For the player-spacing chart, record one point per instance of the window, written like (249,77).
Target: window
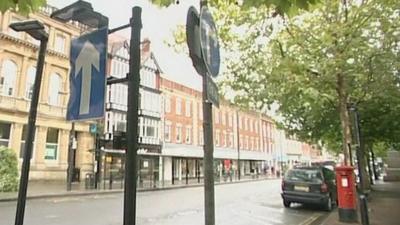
(188,135)
(30,80)
(223,118)
(226,138)
(231,140)
(216,116)
(167,104)
(178,106)
(246,123)
(8,77)
(54,89)
(188,109)
(200,111)
(5,129)
(178,133)
(230,120)
(217,138)
(240,122)
(23,139)
(51,144)
(251,125)
(59,43)
(201,137)
(150,128)
(167,131)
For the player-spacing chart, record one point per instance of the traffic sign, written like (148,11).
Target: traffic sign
(212,92)
(193,40)
(93,128)
(209,42)
(88,77)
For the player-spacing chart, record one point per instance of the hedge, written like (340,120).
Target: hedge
(8,170)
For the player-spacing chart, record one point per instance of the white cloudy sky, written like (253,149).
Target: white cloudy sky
(157,26)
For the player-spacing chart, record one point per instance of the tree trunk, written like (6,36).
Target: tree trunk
(344,116)
(363,165)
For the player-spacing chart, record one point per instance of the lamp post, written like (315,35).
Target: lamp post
(363,201)
(35,29)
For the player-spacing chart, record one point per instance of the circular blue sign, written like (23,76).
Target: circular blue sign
(209,42)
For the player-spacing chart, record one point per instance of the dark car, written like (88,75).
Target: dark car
(310,185)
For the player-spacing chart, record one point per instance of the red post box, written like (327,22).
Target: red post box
(346,190)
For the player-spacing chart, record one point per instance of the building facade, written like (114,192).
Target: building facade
(18,58)
(116,109)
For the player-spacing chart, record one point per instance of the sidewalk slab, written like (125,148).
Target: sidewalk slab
(43,189)
(383,206)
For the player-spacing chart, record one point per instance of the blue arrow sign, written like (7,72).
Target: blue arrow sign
(88,77)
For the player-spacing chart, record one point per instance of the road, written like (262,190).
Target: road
(255,203)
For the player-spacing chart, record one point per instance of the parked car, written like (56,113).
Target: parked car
(310,185)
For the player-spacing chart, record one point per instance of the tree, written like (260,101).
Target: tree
(22,6)
(8,170)
(319,62)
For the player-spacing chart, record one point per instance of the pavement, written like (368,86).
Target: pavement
(50,189)
(383,206)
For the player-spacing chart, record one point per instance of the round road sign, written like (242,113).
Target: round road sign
(209,42)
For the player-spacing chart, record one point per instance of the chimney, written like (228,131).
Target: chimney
(146,46)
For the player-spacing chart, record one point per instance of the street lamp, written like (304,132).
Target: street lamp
(35,29)
(82,12)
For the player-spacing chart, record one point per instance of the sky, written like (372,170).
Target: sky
(158,25)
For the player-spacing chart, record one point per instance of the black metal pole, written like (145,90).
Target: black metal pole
(132,119)
(238,142)
(363,202)
(23,183)
(209,206)
(70,169)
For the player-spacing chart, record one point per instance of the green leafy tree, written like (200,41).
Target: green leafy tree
(8,170)
(338,53)
(23,6)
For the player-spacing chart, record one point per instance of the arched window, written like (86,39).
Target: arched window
(30,80)
(54,89)
(7,78)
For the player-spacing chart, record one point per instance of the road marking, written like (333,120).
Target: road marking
(311,219)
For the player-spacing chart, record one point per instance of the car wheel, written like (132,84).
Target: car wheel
(328,204)
(286,203)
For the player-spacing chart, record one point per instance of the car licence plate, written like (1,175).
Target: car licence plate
(301,188)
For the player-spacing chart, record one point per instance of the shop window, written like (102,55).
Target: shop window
(23,139)
(5,129)
(51,152)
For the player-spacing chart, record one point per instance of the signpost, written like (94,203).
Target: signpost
(88,77)
(212,92)
(202,40)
